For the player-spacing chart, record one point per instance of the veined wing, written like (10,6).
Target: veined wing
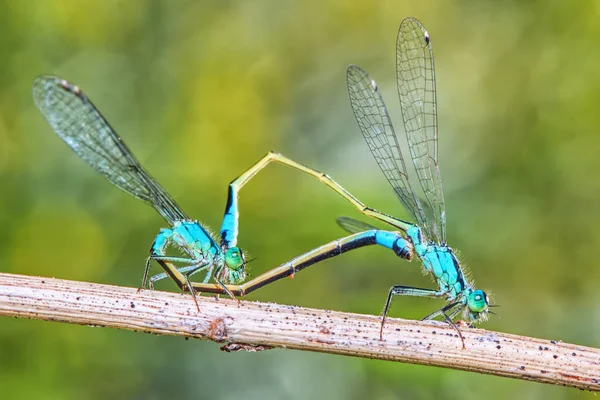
(75,119)
(416,88)
(375,124)
(353,225)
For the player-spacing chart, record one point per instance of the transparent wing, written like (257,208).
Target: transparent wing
(416,88)
(374,122)
(353,225)
(75,119)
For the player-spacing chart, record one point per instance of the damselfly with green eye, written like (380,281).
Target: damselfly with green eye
(77,121)
(415,77)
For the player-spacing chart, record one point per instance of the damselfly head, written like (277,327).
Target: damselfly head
(478,303)
(234,264)
(234,258)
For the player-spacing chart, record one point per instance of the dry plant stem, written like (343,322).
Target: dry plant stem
(256,326)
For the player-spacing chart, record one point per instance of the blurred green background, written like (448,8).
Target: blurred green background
(201,90)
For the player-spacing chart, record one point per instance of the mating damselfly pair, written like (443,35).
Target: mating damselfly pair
(77,121)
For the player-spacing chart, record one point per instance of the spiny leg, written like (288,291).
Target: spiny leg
(444,309)
(183,282)
(177,274)
(225,289)
(219,283)
(164,274)
(455,312)
(180,279)
(229,227)
(192,291)
(187,271)
(157,252)
(458,306)
(399,290)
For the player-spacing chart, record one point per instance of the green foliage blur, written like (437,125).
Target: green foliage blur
(201,90)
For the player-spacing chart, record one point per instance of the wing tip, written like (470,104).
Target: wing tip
(44,85)
(356,74)
(411,21)
(40,86)
(354,69)
(408,26)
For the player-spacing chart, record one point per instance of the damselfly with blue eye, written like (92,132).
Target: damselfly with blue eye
(427,238)
(77,121)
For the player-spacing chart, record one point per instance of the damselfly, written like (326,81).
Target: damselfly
(415,77)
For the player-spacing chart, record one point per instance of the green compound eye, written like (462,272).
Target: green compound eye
(477,301)
(234,258)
